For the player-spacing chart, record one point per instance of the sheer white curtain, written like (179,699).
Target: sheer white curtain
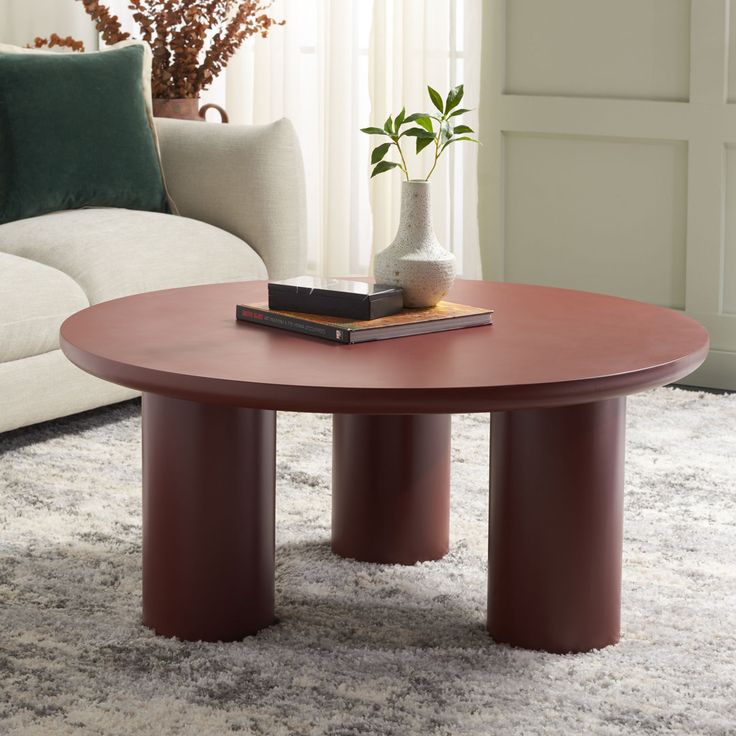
(314,70)
(415,43)
(335,67)
(22,20)
(339,65)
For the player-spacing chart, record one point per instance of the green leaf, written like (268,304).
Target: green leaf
(459,111)
(453,97)
(462,129)
(434,95)
(445,132)
(379,152)
(383,166)
(426,122)
(388,125)
(462,138)
(373,131)
(422,143)
(399,119)
(422,118)
(419,133)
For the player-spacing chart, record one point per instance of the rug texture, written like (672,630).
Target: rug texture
(360,648)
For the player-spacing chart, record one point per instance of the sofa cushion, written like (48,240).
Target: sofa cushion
(114,252)
(75,133)
(34,300)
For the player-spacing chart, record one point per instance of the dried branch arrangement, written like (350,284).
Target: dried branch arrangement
(56,40)
(192,40)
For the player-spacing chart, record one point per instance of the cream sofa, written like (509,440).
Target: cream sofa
(242,215)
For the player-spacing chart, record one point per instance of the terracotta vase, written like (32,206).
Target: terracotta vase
(415,260)
(184,109)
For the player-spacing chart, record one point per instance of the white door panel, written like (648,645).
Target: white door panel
(591,48)
(617,228)
(609,157)
(729,256)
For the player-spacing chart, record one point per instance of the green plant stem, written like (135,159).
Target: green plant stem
(436,153)
(403,160)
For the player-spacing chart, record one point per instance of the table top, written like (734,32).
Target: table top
(547,347)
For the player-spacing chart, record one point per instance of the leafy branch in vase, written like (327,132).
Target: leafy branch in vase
(430,128)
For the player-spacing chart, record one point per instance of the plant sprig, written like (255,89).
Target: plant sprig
(429,128)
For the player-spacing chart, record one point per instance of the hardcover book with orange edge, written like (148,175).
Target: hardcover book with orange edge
(444,316)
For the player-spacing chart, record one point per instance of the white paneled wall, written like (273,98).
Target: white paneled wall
(636,49)
(729,260)
(604,201)
(609,161)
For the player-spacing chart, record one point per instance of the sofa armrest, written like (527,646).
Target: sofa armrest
(246,179)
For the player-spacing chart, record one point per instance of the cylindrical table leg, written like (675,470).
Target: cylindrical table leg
(554,571)
(208,519)
(391,487)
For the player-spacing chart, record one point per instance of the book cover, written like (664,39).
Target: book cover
(444,316)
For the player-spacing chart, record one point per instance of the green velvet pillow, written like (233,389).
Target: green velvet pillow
(74,132)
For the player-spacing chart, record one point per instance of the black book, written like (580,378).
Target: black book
(339,298)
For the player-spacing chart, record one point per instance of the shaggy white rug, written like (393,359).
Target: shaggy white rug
(363,649)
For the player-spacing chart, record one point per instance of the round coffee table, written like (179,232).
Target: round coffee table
(555,368)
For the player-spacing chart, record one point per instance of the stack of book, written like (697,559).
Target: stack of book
(353,311)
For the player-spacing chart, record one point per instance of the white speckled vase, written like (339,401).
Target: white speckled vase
(415,260)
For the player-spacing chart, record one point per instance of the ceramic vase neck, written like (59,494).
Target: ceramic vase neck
(416,201)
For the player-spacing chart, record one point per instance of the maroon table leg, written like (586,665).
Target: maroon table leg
(391,487)
(208,519)
(554,571)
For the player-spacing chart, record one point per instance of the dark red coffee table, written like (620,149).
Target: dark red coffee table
(554,368)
